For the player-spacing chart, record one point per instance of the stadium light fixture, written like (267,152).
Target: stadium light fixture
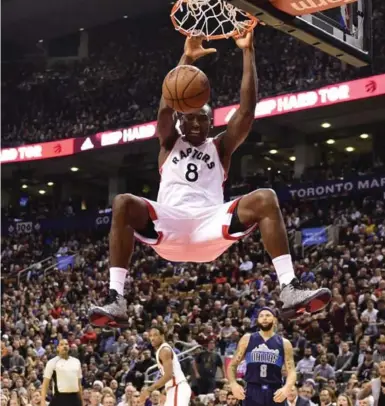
(74,169)
(326,125)
(349,149)
(42,192)
(273,151)
(81,29)
(50,184)
(125,17)
(269,169)
(292,158)
(330,141)
(364,136)
(24,186)
(40,41)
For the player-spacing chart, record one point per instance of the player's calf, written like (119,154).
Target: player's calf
(128,213)
(262,206)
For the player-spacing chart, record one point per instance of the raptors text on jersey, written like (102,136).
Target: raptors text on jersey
(192,176)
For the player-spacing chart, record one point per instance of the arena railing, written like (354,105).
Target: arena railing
(183,356)
(37,267)
(44,266)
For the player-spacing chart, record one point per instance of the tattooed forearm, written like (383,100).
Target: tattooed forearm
(232,372)
(289,364)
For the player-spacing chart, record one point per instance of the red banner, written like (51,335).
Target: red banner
(273,106)
(326,96)
(118,137)
(33,152)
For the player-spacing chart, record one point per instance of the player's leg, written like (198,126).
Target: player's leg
(262,207)
(183,395)
(129,213)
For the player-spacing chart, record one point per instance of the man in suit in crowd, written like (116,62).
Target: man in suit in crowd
(294,400)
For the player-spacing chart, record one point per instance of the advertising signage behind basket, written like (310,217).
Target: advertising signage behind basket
(325,96)
(272,106)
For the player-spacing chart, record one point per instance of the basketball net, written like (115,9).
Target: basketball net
(211,19)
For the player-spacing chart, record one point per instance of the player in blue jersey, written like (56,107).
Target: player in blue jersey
(265,354)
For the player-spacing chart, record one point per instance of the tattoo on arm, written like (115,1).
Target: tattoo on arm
(289,363)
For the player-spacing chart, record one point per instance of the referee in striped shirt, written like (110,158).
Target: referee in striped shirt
(66,374)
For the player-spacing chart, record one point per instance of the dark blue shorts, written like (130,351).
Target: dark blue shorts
(260,395)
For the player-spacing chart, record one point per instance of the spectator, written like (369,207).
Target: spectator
(306,365)
(205,368)
(344,400)
(108,400)
(294,400)
(344,360)
(326,397)
(307,392)
(324,371)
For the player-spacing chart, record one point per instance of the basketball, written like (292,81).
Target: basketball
(186,89)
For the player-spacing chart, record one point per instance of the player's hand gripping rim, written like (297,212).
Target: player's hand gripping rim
(194,49)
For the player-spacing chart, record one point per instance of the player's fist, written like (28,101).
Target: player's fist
(280,395)
(238,391)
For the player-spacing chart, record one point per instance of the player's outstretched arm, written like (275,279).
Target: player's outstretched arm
(240,123)
(165,128)
(238,357)
(281,394)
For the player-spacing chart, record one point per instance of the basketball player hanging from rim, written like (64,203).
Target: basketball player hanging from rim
(190,222)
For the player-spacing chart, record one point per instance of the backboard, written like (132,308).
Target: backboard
(344,31)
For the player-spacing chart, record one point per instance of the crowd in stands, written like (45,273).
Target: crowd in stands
(206,306)
(120,83)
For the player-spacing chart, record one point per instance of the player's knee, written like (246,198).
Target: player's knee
(122,202)
(267,199)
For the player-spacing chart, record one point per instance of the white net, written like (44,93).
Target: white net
(212,19)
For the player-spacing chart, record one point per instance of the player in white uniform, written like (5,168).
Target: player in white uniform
(178,391)
(190,221)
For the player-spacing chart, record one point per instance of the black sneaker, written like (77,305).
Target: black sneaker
(112,314)
(297,300)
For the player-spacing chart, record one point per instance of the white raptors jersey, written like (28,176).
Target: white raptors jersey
(178,375)
(192,176)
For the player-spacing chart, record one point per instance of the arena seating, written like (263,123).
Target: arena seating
(45,299)
(197,303)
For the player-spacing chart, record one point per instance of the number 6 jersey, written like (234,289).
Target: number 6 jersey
(264,360)
(192,176)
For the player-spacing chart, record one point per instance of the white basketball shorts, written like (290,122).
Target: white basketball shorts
(178,395)
(192,234)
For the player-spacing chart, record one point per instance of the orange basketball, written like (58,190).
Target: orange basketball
(186,89)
